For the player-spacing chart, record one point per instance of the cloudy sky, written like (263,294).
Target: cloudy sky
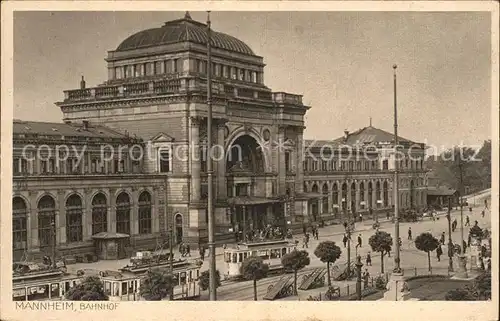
(340,61)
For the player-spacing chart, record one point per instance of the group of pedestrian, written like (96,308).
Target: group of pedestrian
(184,250)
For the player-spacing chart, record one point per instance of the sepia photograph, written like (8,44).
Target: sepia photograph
(248,155)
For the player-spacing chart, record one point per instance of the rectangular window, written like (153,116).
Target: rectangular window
(287,162)
(241,74)
(225,71)
(241,189)
(324,165)
(164,160)
(374,165)
(15,166)
(304,166)
(351,166)
(358,165)
(129,71)
(385,164)
(118,73)
(169,66)
(158,68)
(233,73)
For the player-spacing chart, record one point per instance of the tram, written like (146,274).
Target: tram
(124,284)
(39,282)
(270,251)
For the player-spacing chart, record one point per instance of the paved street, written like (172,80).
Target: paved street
(411,258)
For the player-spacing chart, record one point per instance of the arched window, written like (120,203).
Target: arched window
(412,194)
(335,194)
(353,197)
(74,212)
(305,187)
(46,217)
(386,195)
(377,193)
(344,196)
(315,188)
(362,192)
(19,226)
(99,214)
(145,213)
(178,228)
(123,213)
(325,198)
(370,194)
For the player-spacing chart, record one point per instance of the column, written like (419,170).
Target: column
(195,159)
(281,161)
(87,214)
(367,205)
(60,219)
(374,194)
(299,171)
(134,212)
(358,206)
(220,163)
(33,226)
(112,211)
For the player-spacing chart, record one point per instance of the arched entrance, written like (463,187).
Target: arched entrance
(245,155)
(19,227)
(314,203)
(178,228)
(247,185)
(46,221)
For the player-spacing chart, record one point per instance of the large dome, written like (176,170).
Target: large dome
(183,30)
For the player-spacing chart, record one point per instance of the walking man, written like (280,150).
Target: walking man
(409,233)
(344,240)
(368,259)
(467,221)
(443,238)
(359,240)
(439,252)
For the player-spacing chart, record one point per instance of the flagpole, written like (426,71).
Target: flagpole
(397,259)
(211,236)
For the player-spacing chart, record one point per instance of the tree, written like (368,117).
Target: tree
(381,242)
(156,285)
(253,268)
(427,242)
(328,253)
(459,295)
(204,280)
(90,289)
(295,261)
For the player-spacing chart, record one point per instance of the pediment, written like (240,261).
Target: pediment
(162,137)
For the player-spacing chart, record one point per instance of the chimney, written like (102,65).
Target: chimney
(346,133)
(85,124)
(82,83)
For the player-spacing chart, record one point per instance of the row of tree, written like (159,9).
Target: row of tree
(158,284)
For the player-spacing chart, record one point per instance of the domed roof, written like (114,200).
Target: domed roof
(183,30)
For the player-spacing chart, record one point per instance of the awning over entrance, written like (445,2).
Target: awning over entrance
(251,200)
(309,195)
(109,236)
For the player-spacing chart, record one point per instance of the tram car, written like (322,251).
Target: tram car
(32,270)
(39,283)
(124,284)
(271,253)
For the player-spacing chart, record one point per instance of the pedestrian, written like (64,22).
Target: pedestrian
(202,253)
(366,277)
(464,246)
(317,234)
(360,217)
(443,238)
(344,240)
(482,213)
(409,233)
(439,252)
(467,221)
(305,241)
(181,249)
(469,239)
(368,259)
(359,240)
(188,250)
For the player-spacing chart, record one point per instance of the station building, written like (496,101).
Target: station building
(127,166)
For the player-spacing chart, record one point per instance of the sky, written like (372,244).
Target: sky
(341,62)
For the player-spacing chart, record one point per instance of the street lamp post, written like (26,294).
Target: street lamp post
(171,256)
(348,231)
(54,242)
(397,260)
(210,209)
(450,242)
(462,263)
(359,265)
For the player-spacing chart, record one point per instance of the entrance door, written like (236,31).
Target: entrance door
(178,228)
